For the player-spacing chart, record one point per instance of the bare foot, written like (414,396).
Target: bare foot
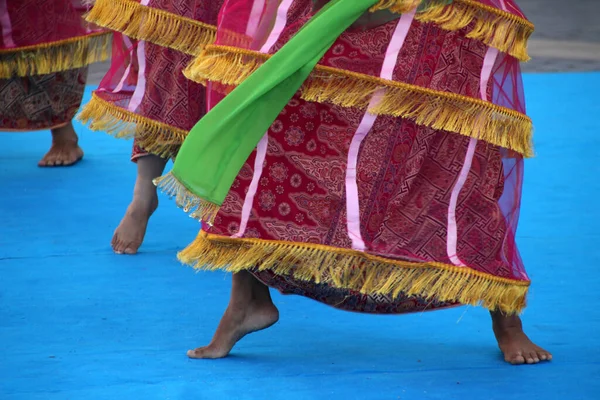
(513,342)
(250,310)
(65,150)
(129,235)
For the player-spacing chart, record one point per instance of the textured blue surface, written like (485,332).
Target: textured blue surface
(77,322)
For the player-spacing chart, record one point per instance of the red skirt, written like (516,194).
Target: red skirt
(383,211)
(46,47)
(145,95)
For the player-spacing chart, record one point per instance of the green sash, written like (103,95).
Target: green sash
(217,147)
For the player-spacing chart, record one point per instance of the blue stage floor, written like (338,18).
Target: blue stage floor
(77,322)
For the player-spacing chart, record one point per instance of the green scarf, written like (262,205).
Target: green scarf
(219,145)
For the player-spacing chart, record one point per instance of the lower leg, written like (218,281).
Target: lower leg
(514,343)
(64,150)
(129,235)
(250,309)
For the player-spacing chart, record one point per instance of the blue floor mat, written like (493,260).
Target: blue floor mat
(77,322)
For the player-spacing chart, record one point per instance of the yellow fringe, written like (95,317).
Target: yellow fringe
(152,25)
(439,110)
(397,6)
(496,28)
(350,269)
(153,136)
(62,55)
(198,208)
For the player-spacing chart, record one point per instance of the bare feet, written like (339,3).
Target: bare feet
(129,235)
(514,344)
(65,150)
(250,310)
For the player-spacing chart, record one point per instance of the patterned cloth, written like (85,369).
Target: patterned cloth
(44,33)
(41,102)
(156,89)
(169,97)
(420,195)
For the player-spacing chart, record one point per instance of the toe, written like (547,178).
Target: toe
(118,247)
(516,359)
(533,357)
(115,244)
(544,355)
(131,249)
(51,161)
(529,360)
(45,162)
(67,160)
(197,353)
(71,160)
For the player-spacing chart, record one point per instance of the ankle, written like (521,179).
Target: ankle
(144,200)
(144,192)
(65,134)
(145,189)
(504,322)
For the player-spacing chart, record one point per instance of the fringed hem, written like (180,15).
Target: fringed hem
(436,109)
(62,55)
(153,136)
(353,270)
(152,25)
(496,28)
(197,208)
(397,6)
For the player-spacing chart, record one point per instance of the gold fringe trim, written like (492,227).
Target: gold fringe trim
(152,25)
(62,55)
(198,208)
(350,269)
(397,6)
(496,28)
(439,110)
(153,136)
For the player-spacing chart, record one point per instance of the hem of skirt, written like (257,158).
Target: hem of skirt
(153,25)
(58,56)
(153,136)
(359,271)
(196,207)
(500,29)
(25,130)
(468,116)
(134,158)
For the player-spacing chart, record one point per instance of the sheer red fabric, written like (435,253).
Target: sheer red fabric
(147,80)
(34,22)
(424,195)
(48,100)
